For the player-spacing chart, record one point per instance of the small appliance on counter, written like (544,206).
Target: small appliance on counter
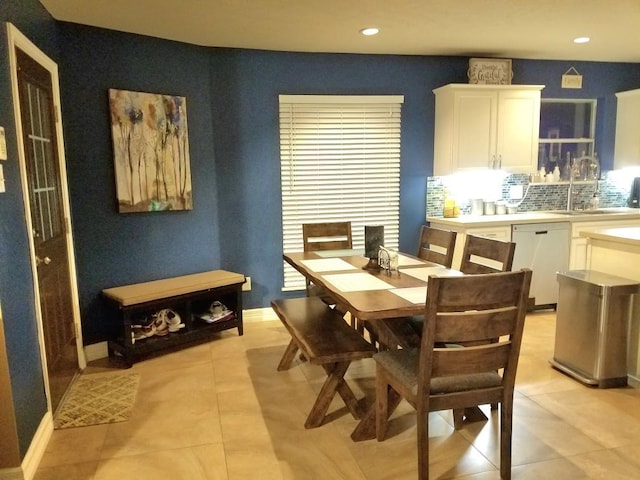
(634,196)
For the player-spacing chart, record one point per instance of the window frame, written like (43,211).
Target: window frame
(560,141)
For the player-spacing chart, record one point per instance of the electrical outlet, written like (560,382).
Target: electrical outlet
(515,192)
(246,286)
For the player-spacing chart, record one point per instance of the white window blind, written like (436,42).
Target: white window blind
(340,161)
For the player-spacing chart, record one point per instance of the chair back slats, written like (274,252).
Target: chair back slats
(486,255)
(326,236)
(477,296)
(436,245)
(470,360)
(475,326)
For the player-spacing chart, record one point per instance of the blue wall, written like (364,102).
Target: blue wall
(16,280)
(232,103)
(232,100)
(111,248)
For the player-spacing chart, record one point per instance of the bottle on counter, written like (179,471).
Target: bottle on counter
(556,174)
(450,207)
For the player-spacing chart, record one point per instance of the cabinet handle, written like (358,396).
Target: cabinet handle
(499,162)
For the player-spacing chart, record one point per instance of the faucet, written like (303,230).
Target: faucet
(588,167)
(570,191)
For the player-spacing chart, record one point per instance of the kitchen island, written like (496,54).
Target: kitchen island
(616,251)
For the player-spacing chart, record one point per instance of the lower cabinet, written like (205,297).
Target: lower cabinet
(173,313)
(578,258)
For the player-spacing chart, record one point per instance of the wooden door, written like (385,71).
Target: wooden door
(49,226)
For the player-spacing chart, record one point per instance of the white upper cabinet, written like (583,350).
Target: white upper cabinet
(486,126)
(627,150)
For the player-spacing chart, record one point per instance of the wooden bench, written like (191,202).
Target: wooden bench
(325,339)
(189,295)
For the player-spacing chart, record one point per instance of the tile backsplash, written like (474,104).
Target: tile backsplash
(613,192)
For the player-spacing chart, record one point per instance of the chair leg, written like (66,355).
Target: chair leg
(458,418)
(506,427)
(382,405)
(422,419)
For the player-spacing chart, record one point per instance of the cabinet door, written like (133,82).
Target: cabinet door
(499,233)
(474,132)
(518,129)
(627,148)
(475,125)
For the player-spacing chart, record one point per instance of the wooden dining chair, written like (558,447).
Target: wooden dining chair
(326,236)
(436,245)
(486,255)
(474,309)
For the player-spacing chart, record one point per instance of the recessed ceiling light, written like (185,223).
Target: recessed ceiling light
(581,40)
(369,31)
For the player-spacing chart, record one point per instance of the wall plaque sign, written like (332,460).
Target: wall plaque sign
(490,71)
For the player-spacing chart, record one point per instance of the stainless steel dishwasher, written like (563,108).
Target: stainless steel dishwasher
(592,326)
(544,248)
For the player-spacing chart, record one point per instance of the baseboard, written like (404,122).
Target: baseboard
(258,315)
(37,447)
(633,381)
(96,351)
(11,474)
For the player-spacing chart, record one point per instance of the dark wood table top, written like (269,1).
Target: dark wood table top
(369,294)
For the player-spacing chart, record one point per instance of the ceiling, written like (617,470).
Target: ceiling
(533,29)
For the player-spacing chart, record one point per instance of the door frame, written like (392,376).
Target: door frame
(18,40)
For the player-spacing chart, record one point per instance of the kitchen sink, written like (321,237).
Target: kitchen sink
(584,212)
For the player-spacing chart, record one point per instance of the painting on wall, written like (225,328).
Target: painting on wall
(151,151)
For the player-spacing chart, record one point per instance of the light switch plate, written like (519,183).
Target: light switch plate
(3,145)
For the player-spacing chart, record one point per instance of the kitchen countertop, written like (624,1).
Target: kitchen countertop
(472,221)
(626,235)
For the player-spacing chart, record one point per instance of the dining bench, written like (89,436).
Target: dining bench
(324,338)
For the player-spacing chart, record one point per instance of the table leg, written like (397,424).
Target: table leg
(366,429)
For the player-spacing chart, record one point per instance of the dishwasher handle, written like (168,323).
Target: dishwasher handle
(542,232)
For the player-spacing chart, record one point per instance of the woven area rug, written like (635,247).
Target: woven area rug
(98,398)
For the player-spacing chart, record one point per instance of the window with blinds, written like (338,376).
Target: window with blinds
(340,161)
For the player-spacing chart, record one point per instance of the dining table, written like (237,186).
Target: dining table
(381,298)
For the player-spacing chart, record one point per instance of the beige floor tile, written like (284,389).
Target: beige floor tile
(603,421)
(204,462)
(221,411)
(75,445)
(75,471)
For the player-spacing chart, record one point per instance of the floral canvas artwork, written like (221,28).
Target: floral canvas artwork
(151,151)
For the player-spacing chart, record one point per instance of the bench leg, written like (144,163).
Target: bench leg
(349,398)
(288,356)
(335,377)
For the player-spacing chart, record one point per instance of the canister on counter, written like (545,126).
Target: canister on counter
(451,209)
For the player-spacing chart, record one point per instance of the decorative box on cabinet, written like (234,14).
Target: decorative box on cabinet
(486,126)
(627,148)
(189,296)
